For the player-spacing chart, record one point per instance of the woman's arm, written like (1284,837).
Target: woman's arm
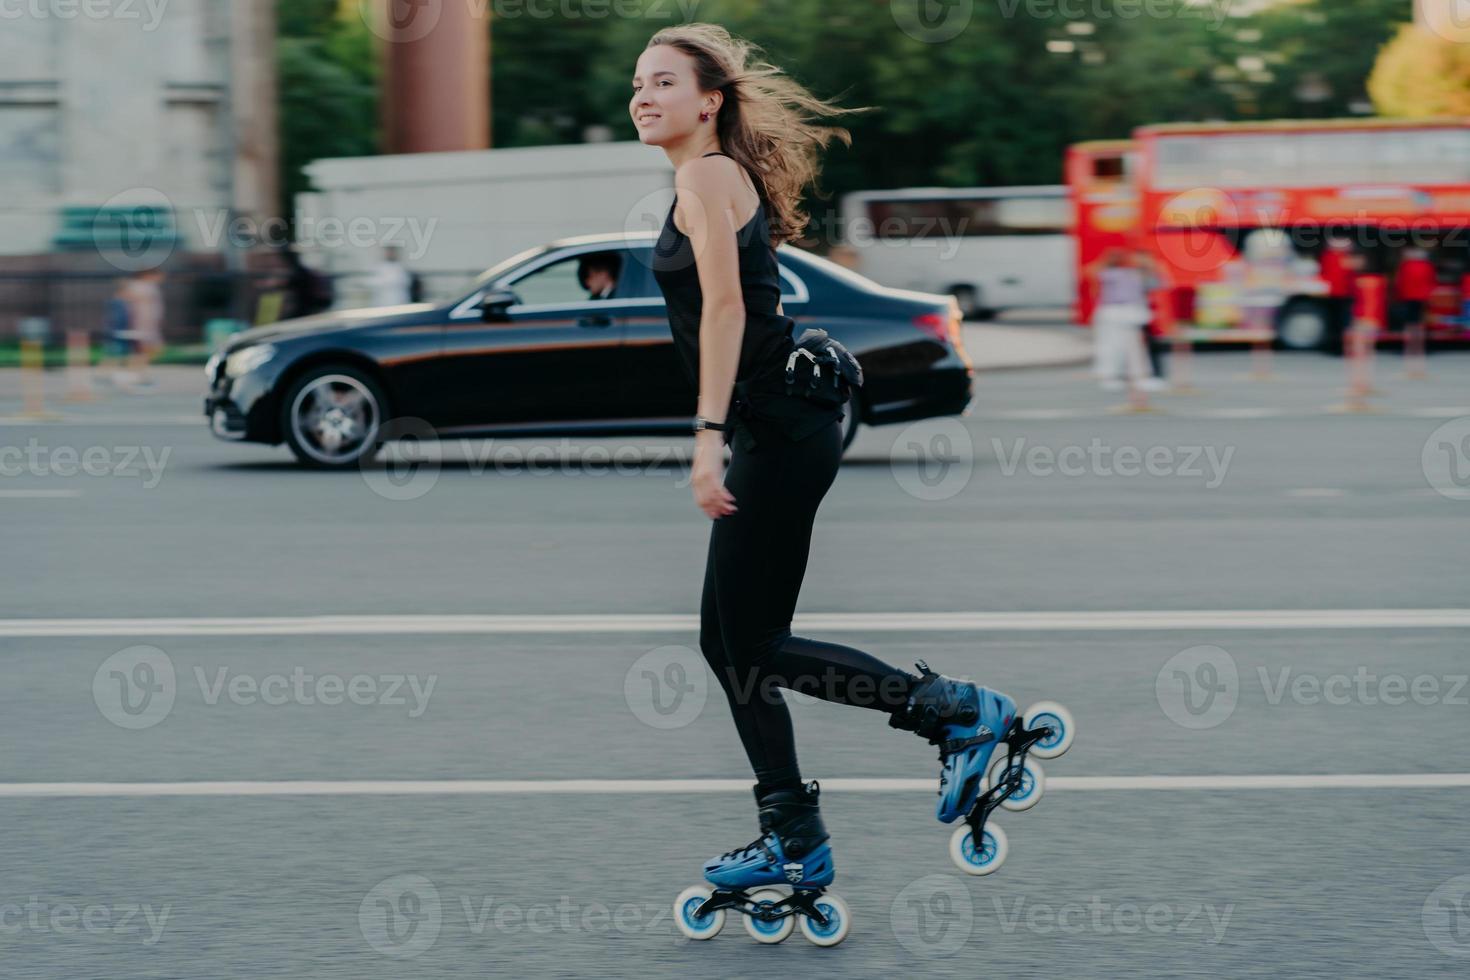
(707,195)
(708,189)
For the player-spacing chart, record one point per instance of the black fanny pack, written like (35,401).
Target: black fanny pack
(820,369)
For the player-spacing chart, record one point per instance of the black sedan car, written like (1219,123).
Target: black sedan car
(569,338)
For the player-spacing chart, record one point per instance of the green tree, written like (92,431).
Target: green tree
(327,73)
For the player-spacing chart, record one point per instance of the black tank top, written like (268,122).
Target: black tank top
(766,342)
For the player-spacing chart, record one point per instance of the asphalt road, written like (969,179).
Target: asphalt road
(1259,496)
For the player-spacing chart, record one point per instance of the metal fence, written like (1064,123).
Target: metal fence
(76,301)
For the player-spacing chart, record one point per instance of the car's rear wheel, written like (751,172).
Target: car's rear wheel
(332,416)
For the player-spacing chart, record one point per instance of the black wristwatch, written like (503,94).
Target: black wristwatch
(700,422)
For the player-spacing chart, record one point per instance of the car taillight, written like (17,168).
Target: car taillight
(935,325)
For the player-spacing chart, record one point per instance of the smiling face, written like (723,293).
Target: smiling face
(666,100)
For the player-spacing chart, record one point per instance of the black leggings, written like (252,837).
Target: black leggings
(757,558)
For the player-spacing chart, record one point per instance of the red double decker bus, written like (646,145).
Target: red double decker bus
(1238,218)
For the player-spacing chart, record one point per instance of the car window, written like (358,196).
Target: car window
(561,281)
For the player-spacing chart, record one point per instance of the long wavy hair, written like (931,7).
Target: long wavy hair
(765,122)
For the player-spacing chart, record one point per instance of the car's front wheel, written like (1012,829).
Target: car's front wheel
(332,416)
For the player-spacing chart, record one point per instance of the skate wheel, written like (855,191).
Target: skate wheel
(1033,783)
(982,860)
(839,922)
(1049,714)
(769,931)
(707,926)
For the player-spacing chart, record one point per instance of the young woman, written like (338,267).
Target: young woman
(739,137)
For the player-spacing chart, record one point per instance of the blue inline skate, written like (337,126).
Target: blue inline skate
(968,722)
(792,852)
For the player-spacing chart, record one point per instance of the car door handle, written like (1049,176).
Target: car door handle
(1010,281)
(595,320)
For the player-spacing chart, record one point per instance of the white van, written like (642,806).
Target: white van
(992,248)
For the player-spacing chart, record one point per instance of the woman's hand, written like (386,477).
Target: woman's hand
(708,475)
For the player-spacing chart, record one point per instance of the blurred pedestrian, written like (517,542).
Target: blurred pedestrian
(391,282)
(1123,312)
(1339,266)
(1414,286)
(308,290)
(117,335)
(143,296)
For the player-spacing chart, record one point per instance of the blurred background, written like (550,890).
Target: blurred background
(206,136)
(1162,307)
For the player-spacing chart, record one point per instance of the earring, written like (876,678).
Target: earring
(704,117)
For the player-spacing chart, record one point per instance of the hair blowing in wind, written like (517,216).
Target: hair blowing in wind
(767,121)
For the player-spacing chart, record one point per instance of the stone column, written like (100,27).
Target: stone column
(436,74)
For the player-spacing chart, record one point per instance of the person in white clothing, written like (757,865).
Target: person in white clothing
(1122,311)
(391,281)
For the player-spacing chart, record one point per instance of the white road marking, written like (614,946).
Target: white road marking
(881,622)
(601,787)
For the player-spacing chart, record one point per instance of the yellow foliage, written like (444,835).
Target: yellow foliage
(1420,74)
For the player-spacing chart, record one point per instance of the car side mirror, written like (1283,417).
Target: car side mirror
(493,305)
